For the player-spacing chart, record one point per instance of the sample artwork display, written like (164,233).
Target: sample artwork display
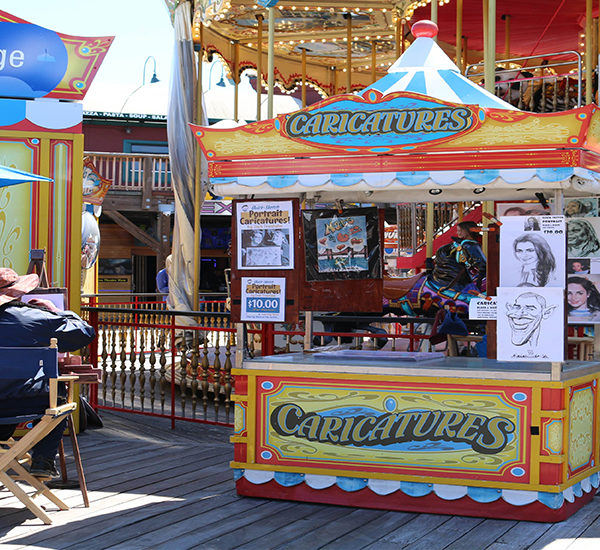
(342,245)
(582,237)
(532,251)
(579,208)
(530,324)
(521,209)
(578,266)
(583,299)
(265,235)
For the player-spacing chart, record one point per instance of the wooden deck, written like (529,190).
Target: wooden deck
(151,487)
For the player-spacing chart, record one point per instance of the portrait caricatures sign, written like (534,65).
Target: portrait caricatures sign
(532,251)
(342,245)
(530,324)
(583,237)
(265,235)
(583,299)
(263,299)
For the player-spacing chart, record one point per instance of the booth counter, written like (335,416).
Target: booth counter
(400,431)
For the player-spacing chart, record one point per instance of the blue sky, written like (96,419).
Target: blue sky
(141,27)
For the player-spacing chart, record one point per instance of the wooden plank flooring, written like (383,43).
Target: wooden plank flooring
(153,488)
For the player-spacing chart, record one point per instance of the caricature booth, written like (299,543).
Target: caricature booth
(512,436)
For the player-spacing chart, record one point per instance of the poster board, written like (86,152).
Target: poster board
(272,219)
(357,292)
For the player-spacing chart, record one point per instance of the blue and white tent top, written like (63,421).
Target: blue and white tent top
(424,68)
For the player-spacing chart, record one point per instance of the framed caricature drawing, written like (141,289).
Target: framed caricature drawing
(530,324)
(532,251)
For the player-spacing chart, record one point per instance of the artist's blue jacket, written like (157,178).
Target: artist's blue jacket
(30,326)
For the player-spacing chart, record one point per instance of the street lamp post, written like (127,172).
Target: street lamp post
(153,80)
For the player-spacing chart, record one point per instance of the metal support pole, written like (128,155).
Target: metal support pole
(303,77)
(236,81)
(434,13)
(198,181)
(487,208)
(373,60)
(489,14)
(260,20)
(506,36)
(588,52)
(398,36)
(459,27)
(349,53)
(429,229)
(271,63)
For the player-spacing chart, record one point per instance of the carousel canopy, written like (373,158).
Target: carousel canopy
(320,30)
(405,145)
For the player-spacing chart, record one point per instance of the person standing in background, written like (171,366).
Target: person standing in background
(162,277)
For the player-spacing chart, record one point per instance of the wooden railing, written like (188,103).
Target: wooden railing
(134,172)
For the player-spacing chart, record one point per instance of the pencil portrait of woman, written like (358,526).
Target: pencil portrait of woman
(536,260)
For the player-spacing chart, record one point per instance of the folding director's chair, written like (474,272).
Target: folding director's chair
(29,391)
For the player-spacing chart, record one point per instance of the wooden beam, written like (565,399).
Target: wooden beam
(147,182)
(133,229)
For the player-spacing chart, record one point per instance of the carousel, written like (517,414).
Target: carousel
(510,435)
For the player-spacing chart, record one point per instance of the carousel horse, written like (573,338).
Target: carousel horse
(458,276)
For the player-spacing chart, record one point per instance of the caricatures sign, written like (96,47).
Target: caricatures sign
(532,251)
(393,428)
(530,324)
(342,244)
(265,235)
(263,299)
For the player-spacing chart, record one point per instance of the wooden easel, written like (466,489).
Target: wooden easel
(37,264)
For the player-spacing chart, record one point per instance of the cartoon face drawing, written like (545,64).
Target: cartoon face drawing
(525,315)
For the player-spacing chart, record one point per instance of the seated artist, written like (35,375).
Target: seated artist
(33,325)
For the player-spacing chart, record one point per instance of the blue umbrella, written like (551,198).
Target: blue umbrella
(12,176)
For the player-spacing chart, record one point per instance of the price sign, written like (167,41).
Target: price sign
(263,299)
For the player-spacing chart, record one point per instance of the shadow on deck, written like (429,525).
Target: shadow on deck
(151,487)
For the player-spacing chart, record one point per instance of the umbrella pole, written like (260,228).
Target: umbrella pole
(198,181)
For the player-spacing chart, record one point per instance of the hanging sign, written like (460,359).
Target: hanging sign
(263,299)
